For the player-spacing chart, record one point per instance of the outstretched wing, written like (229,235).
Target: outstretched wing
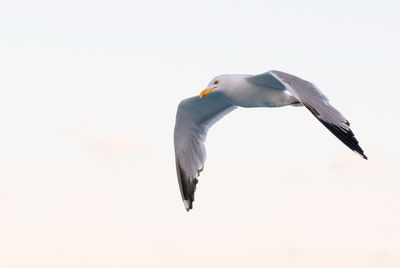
(318,104)
(193,119)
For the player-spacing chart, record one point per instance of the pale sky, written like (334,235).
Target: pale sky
(89,91)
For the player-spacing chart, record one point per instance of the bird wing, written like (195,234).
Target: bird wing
(316,102)
(193,119)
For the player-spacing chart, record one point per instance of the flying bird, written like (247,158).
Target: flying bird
(225,93)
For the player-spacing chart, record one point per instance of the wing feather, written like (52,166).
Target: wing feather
(193,119)
(318,104)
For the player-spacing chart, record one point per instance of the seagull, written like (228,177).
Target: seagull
(224,94)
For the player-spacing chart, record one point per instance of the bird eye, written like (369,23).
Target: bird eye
(215,82)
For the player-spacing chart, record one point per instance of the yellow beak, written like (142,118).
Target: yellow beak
(206,92)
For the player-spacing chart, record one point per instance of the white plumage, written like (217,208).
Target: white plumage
(224,93)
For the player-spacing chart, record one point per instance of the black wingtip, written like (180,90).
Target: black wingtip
(345,135)
(187,187)
(361,154)
(188,204)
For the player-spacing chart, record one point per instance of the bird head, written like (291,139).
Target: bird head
(217,84)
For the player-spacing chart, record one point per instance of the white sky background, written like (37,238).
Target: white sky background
(89,91)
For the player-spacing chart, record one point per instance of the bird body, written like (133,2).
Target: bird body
(241,92)
(225,93)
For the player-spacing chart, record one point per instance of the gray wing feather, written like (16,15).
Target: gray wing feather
(316,102)
(267,80)
(193,119)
